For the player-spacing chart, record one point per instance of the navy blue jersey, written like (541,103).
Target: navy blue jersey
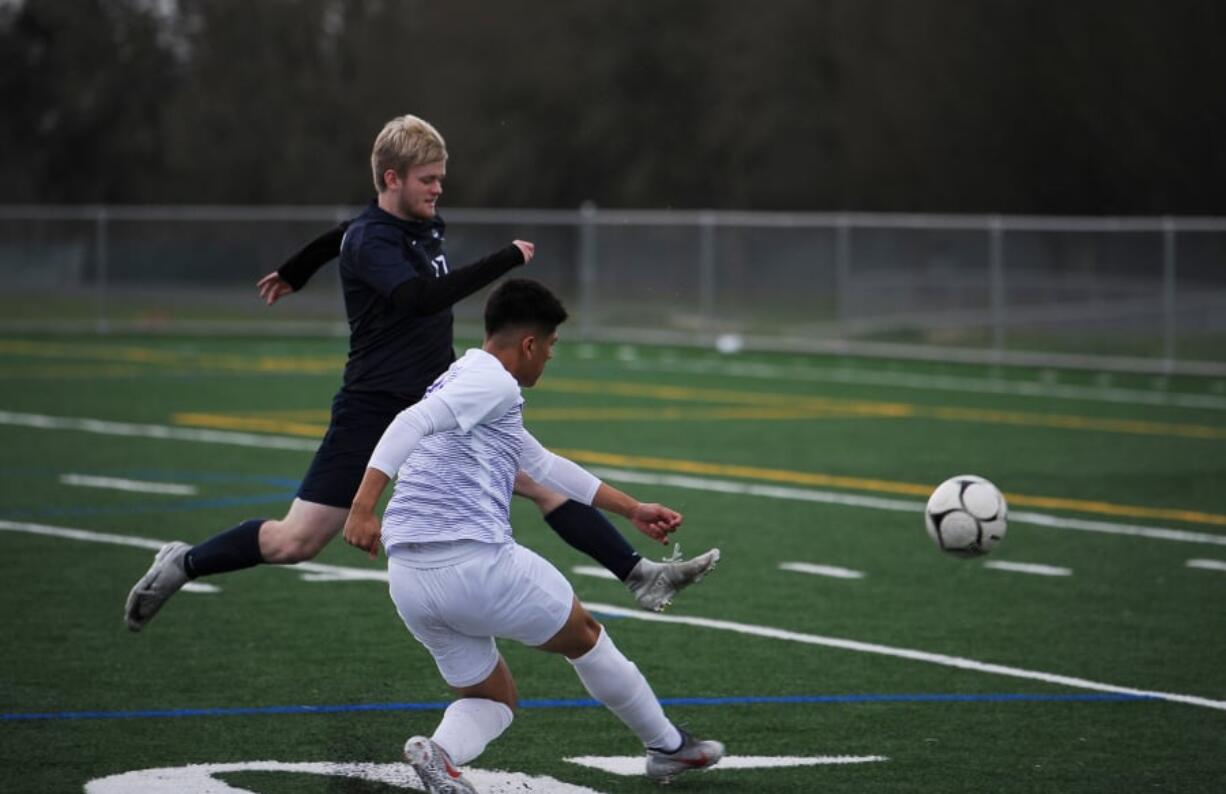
(394,351)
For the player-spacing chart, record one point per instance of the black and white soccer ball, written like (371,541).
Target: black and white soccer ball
(966,516)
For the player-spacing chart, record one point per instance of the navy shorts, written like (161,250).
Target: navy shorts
(358,422)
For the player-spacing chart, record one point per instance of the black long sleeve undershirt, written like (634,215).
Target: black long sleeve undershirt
(429,295)
(299,268)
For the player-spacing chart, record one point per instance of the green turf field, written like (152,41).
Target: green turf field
(1105,670)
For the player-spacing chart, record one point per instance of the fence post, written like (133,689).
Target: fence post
(842,277)
(101,244)
(587,266)
(1169,350)
(706,268)
(996,283)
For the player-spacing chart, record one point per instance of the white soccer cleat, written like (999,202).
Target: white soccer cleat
(434,767)
(163,579)
(693,754)
(656,584)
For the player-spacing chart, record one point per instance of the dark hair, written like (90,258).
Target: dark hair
(522,302)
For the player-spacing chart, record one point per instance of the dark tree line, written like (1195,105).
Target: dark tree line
(936,105)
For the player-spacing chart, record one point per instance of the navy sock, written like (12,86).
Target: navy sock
(586,529)
(232,550)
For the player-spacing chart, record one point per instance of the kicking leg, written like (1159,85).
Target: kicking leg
(299,536)
(616,682)
(654,584)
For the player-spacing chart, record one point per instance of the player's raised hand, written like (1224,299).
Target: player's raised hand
(655,521)
(526,248)
(273,288)
(363,531)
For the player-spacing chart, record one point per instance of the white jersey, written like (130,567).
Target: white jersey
(457,484)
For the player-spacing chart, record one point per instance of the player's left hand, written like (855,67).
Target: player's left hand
(656,521)
(363,531)
(272,288)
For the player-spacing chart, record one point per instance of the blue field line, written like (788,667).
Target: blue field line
(1089,697)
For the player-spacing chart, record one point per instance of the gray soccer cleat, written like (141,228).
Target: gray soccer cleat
(656,584)
(163,579)
(434,767)
(693,754)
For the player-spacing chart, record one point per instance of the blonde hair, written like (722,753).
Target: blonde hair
(404,142)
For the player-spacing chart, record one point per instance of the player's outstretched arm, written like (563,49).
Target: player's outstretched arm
(654,520)
(298,269)
(425,296)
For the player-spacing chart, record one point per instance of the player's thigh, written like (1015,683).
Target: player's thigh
(513,593)
(421,595)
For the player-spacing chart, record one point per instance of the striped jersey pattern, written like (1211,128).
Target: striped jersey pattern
(457,485)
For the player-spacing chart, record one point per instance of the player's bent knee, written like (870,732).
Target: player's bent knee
(302,534)
(577,636)
(282,545)
(498,686)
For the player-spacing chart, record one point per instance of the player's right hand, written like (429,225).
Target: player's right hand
(272,288)
(363,531)
(655,521)
(526,248)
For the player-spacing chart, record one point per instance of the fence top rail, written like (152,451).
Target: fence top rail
(623,217)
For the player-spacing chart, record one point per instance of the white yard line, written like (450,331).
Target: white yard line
(899,505)
(120,484)
(901,653)
(319,572)
(309,571)
(1027,567)
(108,428)
(632,765)
(1208,565)
(821,570)
(673,480)
(595,571)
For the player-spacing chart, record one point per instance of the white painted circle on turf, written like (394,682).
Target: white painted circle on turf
(198,778)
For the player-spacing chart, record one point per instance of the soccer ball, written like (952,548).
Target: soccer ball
(966,515)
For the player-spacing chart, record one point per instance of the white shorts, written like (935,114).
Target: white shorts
(456,610)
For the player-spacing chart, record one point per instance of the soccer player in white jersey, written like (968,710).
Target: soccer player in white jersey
(457,576)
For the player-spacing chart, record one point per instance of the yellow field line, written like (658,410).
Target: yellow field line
(256,423)
(760,405)
(878,486)
(235,362)
(71,371)
(765,474)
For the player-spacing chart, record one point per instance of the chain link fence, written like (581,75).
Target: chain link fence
(1141,294)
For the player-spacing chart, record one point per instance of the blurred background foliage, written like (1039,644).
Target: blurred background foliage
(1027,106)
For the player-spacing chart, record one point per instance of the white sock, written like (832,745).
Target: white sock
(616,682)
(468,725)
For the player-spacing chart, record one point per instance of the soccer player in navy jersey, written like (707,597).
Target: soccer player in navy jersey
(456,574)
(398,289)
